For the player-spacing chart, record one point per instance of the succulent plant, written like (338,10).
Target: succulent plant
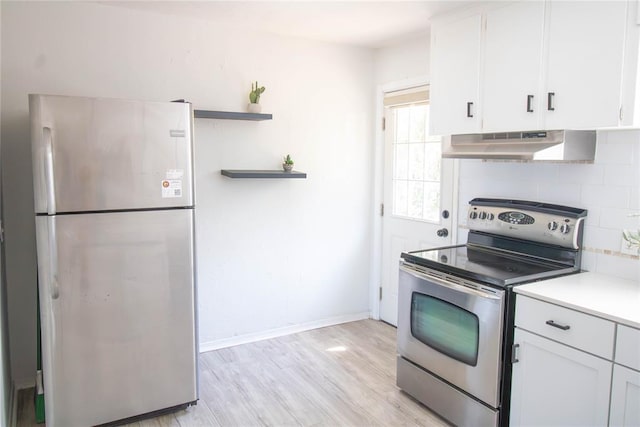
(254,95)
(288,160)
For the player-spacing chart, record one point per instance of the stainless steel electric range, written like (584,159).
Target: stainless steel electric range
(456,305)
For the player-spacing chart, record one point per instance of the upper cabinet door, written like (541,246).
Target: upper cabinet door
(584,63)
(512,65)
(455,76)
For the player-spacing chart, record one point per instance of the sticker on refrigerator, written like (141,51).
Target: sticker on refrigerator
(172,188)
(175,173)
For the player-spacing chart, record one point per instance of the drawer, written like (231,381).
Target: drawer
(573,328)
(628,347)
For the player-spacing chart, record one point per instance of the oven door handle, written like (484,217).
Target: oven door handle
(451,285)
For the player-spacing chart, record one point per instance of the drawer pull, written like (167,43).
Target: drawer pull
(556,325)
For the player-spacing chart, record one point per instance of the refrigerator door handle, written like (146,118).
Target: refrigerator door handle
(53,257)
(47,136)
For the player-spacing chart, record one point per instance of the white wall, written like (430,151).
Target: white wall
(406,60)
(271,254)
(609,189)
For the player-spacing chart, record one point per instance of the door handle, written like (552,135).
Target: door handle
(53,257)
(469,105)
(529,100)
(47,136)
(550,97)
(443,232)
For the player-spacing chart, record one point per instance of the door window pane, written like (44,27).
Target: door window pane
(401,161)
(445,327)
(400,197)
(415,197)
(402,125)
(416,164)
(416,161)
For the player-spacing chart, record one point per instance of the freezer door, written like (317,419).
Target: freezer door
(118,314)
(93,154)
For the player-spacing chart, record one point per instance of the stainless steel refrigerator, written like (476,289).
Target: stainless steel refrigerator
(114,204)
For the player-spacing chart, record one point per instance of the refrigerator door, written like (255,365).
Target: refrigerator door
(118,314)
(92,154)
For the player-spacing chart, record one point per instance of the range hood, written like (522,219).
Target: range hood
(549,145)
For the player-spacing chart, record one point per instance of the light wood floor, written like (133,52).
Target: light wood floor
(341,375)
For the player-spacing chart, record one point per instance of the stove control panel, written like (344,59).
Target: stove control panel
(513,217)
(549,228)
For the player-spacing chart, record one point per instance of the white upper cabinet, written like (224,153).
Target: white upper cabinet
(532,65)
(512,67)
(455,47)
(584,63)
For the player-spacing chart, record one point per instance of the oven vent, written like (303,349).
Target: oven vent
(548,145)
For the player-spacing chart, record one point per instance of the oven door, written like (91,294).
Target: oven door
(453,329)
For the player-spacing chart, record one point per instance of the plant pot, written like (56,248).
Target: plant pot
(254,108)
(286,167)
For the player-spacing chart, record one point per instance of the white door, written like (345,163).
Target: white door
(418,188)
(625,397)
(455,76)
(556,385)
(584,63)
(513,48)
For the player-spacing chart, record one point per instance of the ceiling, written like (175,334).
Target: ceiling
(371,24)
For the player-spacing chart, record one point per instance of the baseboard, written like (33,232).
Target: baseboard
(21,384)
(278,332)
(16,386)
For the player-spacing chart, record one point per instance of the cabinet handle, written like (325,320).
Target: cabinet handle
(529,107)
(556,325)
(469,105)
(550,97)
(514,356)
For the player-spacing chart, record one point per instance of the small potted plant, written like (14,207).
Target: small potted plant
(287,163)
(254,98)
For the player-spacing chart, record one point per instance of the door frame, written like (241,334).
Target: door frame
(375,268)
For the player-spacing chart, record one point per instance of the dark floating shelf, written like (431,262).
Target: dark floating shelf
(262,174)
(230,115)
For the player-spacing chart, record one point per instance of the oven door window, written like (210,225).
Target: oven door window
(445,327)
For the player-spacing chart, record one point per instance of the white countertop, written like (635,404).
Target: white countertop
(604,296)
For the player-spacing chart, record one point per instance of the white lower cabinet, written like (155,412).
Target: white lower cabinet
(625,397)
(556,385)
(573,368)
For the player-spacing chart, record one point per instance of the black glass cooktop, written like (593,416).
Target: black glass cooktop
(489,266)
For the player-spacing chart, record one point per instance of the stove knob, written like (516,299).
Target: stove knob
(564,228)
(473,215)
(490,217)
(553,225)
(483,215)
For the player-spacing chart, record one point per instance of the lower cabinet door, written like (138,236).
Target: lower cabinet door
(555,385)
(625,397)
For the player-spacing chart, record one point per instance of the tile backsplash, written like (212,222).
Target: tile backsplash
(609,188)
